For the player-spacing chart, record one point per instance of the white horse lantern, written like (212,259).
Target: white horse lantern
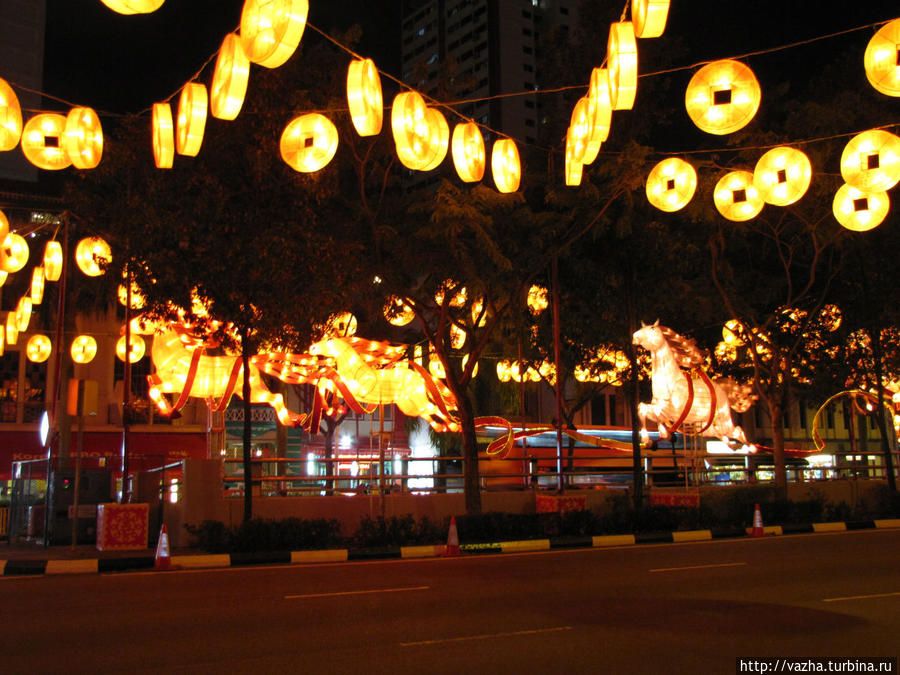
(682,391)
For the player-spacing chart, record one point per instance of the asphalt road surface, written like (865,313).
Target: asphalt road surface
(670,608)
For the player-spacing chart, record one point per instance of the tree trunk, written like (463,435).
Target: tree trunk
(886,445)
(776,412)
(471,478)
(330,428)
(248,426)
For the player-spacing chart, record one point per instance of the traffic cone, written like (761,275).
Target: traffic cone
(452,539)
(163,560)
(757,523)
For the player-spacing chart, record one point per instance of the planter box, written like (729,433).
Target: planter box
(122,527)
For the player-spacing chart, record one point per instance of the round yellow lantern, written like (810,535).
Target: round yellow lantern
(537,299)
(12,332)
(860,211)
(364,97)
(736,198)
(649,17)
(53,260)
(229,83)
(342,324)
(83,349)
(90,254)
(37,285)
(573,168)
(38,348)
(133,6)
(881,59)
(468,152)
(13,253)
(10,117)
(621,57)
(398,312)
(459,298)
(505,165)
(671,184)
(83,138)
(42,141)
(871,161)
(271,29)
(191,123)
(782,176)
(138,348)
(309,142)
(722,97)
(163,136)
(23,313)
(601,107)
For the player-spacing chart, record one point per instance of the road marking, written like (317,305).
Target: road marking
(696,567)
(861,597)
(366,592)
(485,637)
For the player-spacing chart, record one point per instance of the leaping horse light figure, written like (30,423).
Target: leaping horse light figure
(682,391)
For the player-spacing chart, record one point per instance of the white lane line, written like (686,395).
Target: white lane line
(861,597)
(696,567)
(490,636)
(366,592)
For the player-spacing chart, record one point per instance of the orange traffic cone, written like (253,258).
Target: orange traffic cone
(452,539)
(757,523)
(163,560)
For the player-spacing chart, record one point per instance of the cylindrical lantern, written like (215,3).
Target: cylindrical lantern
(23,313)
(90,253)
(83,349)
(671,184)
(598,92)
(133,6)
(137,349)
(37,285)
(38,348)
(882,59)
(4,227)
(42,141)
(83,138)
(736,198)
(505,165)
(722,97)
(191,122)
(364,97)
(309,142)
(573,168)
(163,136)
(10,117)
(649,17)
(860,211)
(229,83)
(622,60)
(871,161)
(439,139)
(782,176)
(537,299)
(416,130)
(12,332)
(13,253)
(53,260)
(398,312)
(581,128)
(271,29)
(468,152)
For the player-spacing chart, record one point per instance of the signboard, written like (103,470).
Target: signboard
(684,499)
(559,504)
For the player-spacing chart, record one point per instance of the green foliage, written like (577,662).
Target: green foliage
(257,534)
(398,531)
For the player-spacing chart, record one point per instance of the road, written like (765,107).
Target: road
(672,608)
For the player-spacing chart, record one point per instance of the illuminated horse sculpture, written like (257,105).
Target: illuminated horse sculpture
(682,392)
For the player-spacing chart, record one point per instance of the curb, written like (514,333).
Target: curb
(184,562)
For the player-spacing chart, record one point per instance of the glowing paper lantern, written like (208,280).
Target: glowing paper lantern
(83,349)
(2,342)
(13,253)
(23,313)
(137,351)
(38,348)
(83,138)
(272,29)
(37,285)
(722,97)
(468,152)
(10,117)
(191,122)
(90,253)
(457,336)
(581,128)
(12,332)
(649,17)
(3,276)
(53,260)
(736,198)
(621,57)
(42,141)
(163,136)
(860,211)
(479,315)
(871,161)
(409,125)
(537,299)
(438,141)
(342,324)
(505,165)
(398,312)
(881,59)
(137,298)
(671,184)
(573,167)
(4,227)
(364,97)
(229,83)
(133,6)
(601,107)
(309,142)
(782,176)
(458,300)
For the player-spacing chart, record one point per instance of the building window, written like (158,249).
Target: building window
(528,68)
(529,123)
(527,50)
